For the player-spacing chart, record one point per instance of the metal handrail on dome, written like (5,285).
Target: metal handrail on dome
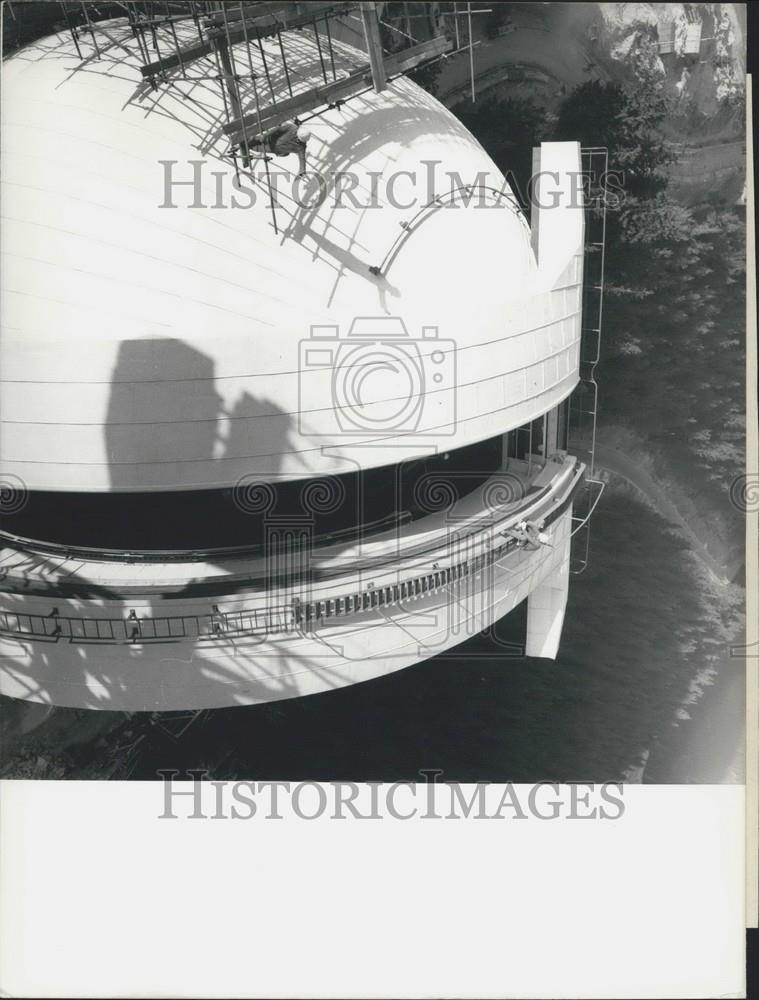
(440,201)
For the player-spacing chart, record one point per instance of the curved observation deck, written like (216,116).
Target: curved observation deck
(467,562)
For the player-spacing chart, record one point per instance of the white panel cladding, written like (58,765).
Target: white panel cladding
(147,348)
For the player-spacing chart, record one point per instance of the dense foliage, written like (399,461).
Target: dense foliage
(673,349)
(675,300)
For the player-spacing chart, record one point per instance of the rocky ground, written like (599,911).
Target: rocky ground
(697,50)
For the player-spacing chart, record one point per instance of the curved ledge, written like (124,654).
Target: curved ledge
(445,557)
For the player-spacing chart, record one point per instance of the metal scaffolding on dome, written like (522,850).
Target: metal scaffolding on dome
(223,41)
(202,40)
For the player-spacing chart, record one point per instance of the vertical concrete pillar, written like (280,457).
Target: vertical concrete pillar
(547,604)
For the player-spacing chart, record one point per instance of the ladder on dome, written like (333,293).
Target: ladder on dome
(583,403)
(172,36)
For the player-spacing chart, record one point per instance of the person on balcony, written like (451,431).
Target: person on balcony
(529,535)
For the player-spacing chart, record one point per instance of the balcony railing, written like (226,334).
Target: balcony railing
(466,555)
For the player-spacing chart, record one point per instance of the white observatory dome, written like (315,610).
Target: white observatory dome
(148,347)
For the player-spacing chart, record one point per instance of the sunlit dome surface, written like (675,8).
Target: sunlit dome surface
(147,347)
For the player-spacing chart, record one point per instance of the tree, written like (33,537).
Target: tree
(497,17)
(591,112)
(426,75)
(657,221)
(508,129)
(626,121)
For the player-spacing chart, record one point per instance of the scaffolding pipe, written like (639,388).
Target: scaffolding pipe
(284,61)
(258,113)
(74,38)
(223,52)
(133,18)
(176,40)
(227,55)
(154,36)
(471,47)
(373,44)
(329,45)
(319,47)
(196,18)
(264,62)
(90,28)
(223,86)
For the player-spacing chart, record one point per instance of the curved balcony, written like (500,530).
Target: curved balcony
(295,591)
(102,633)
